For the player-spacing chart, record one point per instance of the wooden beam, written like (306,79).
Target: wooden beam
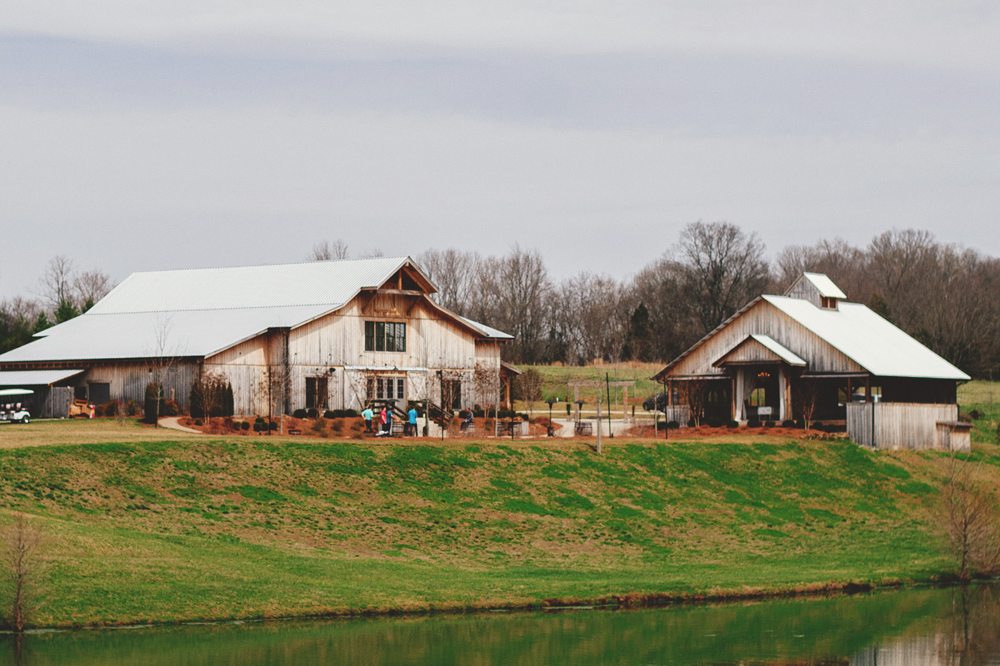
(401,292)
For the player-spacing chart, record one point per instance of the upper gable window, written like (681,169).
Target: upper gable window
(828,302)
(385,336)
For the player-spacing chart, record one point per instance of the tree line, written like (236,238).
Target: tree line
(944,295)
(63,292)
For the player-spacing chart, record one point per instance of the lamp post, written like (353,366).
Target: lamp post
(551,431)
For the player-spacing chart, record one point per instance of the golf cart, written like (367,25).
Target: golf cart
(12,409)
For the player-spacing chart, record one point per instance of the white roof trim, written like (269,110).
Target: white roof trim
(824,285)
(787,355)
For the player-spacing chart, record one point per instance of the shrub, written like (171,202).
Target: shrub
(131,408)
(257,427)
(154,395)
(273,425)
(769,424)
(312,413)
(299,414)
(714,422)
(799,423)
(788,423)
(673,425)
(328,414)
(691,423)
(337,426)
(245,425)
(734,424)
(198,422)
(171,408)
(211,393)
(319,428)
(753,423)
(98,411)
(113,408)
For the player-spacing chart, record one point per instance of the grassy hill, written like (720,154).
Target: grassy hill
(154,527)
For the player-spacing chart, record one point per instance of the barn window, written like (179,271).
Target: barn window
(390,388)
(757,398)
(385,336)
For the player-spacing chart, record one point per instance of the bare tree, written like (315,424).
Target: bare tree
(90,287)
(805,396)
(693,393)
(454,272)
(972,523)
(56,283)
(487,379)
(724,269)
(529,385)
(24,566)
(513,295)
(327,251)
(164,358)
(592,313)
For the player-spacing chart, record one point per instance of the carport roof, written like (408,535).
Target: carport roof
(35,377)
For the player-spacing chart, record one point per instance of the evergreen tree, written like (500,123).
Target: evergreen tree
(66,311)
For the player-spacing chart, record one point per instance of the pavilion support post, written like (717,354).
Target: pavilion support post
(782,393)
(740,398)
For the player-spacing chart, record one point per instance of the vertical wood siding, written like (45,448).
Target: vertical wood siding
(898,425)
(765,319)
(128,379)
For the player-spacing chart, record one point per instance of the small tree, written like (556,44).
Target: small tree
(694,395)
(23,564)
(804,400)
(972,523)
(529,388)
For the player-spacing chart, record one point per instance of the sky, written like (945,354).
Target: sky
(157,135)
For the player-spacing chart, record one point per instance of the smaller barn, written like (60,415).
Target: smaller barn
(811,355)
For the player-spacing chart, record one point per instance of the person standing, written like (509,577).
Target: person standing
(382,419)
(413,421)
(367,414)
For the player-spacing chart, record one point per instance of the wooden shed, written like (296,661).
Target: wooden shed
(810,354)
(323,335)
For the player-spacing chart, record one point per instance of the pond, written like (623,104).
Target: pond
(917,626)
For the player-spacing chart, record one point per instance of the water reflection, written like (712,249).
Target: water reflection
(919,627)
(968,635)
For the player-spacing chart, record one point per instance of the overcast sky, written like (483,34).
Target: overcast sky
(152,135)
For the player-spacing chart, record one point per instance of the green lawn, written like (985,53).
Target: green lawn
(197,527)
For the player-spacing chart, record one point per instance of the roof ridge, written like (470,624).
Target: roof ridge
(264,265)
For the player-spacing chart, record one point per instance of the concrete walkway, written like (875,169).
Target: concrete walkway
(173,422)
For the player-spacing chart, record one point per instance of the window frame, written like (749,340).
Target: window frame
(385,336)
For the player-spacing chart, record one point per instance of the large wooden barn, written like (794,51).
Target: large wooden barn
(323,335)
(809,354)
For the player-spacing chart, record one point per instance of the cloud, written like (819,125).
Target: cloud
(960,35)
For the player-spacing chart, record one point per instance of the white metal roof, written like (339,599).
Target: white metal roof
(200,312)
(787,355)
(488,331)
(869,340)
(331,283)
(35,377)
(824,285)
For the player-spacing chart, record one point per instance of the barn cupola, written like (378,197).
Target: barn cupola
(818,289)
